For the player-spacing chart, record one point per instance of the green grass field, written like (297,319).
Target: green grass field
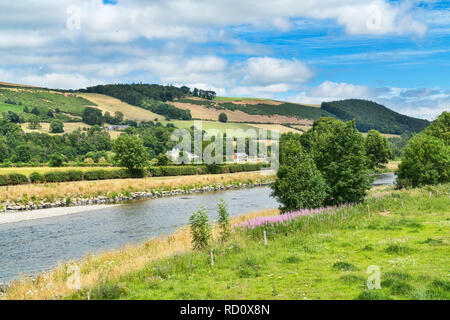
(326,257)
(27,171)
(43,100)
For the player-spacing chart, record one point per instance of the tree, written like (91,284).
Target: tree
(163,160)
(56,126)
(92,116)
(440,128)
(35,111)
(34,123)
(56,160)
(339,154)
(200,229)
(23,153)
(224,221)
(426,160)
(118,117)
(378,148)
(298,184)
(130,152)
(223,117)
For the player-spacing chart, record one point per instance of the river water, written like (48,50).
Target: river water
(32,246)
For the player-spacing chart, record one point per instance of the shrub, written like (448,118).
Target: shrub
(223,117)
(95,175)
(200,229)
(3,180)
(56,176)
(36,177)
(17,178)
(75,175)
(224,221)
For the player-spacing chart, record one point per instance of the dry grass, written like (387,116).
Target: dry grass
(392,166)
(110,104)
(281,129)
(68,127)
(201,112)
(109,265)
(105,187)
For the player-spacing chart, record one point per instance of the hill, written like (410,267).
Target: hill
(40,102)
(148,102)
(371,115)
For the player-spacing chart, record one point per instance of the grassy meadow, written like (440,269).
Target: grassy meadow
(321,258)
(403,232)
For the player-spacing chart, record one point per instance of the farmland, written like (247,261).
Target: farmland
(43,100)
(112,105)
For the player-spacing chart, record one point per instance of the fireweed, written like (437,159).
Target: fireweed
(305,219)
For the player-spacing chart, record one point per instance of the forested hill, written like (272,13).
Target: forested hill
(135,93)
(147,96)
(371,115)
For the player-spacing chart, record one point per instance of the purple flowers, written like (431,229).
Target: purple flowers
(271,221)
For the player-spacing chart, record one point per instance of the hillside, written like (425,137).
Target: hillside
(43,104)
(145,102)
(371,115)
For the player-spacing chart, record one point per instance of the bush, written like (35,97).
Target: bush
(3,180)
(96,175)
(223,117)
(56,176)
(75,175)
(17,178)
(200,229)
(36,177)
(224,221)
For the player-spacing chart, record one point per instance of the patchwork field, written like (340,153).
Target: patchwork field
(111,105)
(205,113)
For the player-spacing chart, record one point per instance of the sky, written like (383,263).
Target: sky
(309,51)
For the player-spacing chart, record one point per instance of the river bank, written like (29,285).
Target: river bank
(403,226)
(88,193)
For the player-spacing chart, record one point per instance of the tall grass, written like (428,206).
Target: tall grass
(107,187)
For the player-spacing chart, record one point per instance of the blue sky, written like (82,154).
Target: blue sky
(392,52)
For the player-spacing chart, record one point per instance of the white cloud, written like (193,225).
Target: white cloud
(328,91)
(268,91)
(266,70)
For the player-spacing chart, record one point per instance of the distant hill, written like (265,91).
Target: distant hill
(371,115)
(169,102)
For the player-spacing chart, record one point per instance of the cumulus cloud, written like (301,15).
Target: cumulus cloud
(267,70)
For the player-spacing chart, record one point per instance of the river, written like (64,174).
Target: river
(32,246)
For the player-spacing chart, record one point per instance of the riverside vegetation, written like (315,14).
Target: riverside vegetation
(323,255)
(46,195)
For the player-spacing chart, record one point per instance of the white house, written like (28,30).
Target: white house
(240,157)
(174,154)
